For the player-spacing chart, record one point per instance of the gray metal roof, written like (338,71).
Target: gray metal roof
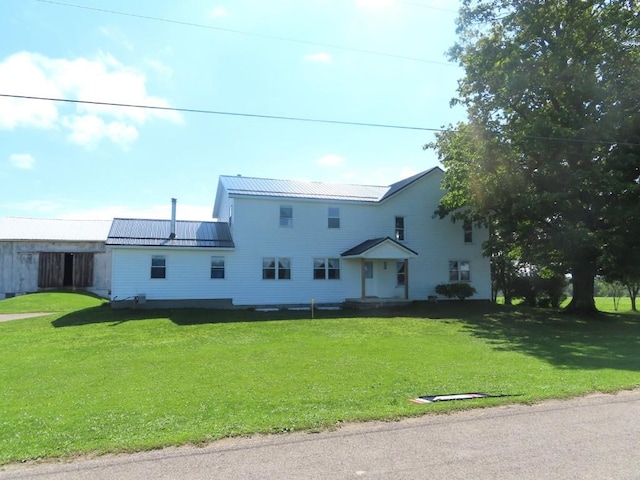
(156,233)
(53,229)
(266,187)
(373,242)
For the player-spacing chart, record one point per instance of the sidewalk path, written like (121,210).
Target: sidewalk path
(5,317)
(592,437)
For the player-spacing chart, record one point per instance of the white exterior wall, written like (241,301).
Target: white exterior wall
(19,264)
(188,274)
(257,234)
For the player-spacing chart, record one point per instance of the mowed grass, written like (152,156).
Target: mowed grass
(90,379)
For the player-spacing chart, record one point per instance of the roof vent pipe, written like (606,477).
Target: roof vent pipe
(173,219)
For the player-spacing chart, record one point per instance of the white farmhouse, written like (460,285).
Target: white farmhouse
(286,242)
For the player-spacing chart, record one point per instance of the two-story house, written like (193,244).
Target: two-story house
(286,242)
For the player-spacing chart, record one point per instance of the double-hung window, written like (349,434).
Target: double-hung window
(459,271)
(467,228)
(217,267)
(158,266)
(274,268)
(286,216)
(400,228)
(333,217)
(326,268)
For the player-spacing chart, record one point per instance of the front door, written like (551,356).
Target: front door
(370,280)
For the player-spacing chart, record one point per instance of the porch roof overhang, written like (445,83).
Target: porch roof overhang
(380,248)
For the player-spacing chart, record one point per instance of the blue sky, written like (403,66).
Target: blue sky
(62,160)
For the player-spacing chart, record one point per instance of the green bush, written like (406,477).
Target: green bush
(459,290)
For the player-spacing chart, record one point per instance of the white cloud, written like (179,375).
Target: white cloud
(218,12)
(22,160)
(102,79)
(321,57)
(331,161)
(89,130)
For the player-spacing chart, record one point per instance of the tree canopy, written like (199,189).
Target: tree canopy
(549,156)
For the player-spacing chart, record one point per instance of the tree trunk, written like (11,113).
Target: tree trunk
(633,293)
(582,302)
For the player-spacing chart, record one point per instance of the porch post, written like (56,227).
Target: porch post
(406,279)
(362,277)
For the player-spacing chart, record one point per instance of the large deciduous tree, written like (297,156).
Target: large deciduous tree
(550,154)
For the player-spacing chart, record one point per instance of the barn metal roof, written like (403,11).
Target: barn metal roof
(156,233)
(53,229)
(267,187)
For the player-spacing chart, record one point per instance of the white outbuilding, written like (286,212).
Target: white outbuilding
(39,254)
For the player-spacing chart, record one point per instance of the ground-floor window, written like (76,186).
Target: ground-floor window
(459,271)
(158,266)
(401,274)
(274,268)
(217,267)
(326,268)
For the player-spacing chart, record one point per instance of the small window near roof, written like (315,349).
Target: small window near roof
(334,217)
(158,266)
(399,228)
(286,216)
(468,231)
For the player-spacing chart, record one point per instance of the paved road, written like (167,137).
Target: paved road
(594,437)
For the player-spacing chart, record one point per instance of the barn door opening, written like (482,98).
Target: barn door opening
(65,270)
(67,279)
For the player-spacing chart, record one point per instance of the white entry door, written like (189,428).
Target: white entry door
(370,280)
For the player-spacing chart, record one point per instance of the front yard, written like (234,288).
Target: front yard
(89,379)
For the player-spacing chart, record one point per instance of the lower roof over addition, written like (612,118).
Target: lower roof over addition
(157,233)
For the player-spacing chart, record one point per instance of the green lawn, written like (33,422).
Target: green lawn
(89,379)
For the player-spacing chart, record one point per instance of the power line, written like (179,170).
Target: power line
(218,112)
(244,32)
(295,119)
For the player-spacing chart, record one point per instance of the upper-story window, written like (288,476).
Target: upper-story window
(400,228)
(286,216)
(467,228)
(158,266)
(230,215)
(334,217)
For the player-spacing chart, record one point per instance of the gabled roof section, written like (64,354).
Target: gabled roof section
(266,187)
(53,229)
(157,233)
(366,248)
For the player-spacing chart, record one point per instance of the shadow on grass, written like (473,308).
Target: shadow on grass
(605,341)
(104,314)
